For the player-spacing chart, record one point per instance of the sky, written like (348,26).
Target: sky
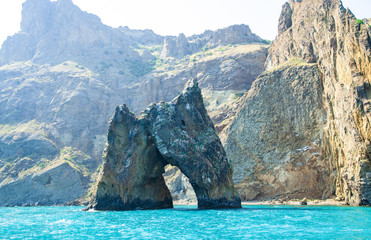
(171,17)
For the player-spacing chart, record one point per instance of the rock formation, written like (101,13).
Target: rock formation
(329,36)
(179,133)
(51,186)
(181,46)
(64,58)
(228,71)
(275,139)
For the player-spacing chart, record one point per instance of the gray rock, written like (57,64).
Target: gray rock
(48,187)
(285,21)
(181,46)
(325,33)
(71,71)
(179,133)
(274,142)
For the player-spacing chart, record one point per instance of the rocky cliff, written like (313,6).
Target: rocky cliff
(325,34)
(181,46)
(275,140)
(64,72)
(179,133)
(55,185)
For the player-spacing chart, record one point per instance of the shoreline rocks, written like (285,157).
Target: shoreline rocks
(179,133)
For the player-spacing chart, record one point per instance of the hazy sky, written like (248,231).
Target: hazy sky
(171,17)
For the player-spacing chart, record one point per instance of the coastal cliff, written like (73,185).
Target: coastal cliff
(294,117)
(334,136)
(64,73)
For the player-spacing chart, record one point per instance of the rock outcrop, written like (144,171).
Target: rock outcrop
(179,133)
(52,186)
(324,33)
(53,32)
(229,71)
(275,139)
(179,47)
(64,58)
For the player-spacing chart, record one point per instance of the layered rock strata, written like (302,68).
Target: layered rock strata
(275,139)
(55,185)
(325,33)
(179,47)
(179,133)
(64,58)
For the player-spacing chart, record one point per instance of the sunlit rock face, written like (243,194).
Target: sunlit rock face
(64,72)
(327,35)
(179,133)
(179,47)
(275,139)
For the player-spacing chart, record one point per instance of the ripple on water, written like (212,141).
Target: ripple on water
(187,223)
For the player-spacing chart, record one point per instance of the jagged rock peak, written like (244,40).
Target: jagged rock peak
(179,133)
(177,47)
(181,46)
(285,21)
(38,16)
(234,34)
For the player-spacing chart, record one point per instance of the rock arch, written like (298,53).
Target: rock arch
(179,133)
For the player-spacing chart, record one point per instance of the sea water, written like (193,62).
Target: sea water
(187,222)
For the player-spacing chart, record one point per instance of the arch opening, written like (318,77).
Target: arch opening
(179,186)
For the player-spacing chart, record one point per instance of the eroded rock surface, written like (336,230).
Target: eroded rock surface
(179,133)
(64,58)
(52,186)
(181,46)
(275,139)
(322,32)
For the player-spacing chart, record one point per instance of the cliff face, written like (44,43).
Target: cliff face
(225,70)
(64,72)
(179,133)
(275,139)
(46,187)
(181,46)
(55,32)
(324,33)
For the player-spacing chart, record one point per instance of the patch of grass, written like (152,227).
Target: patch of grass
(155,50)
(29,127)
(139,68)
(75,158)
(237,95)
(206,48)
(99,167)
(41,165)
(359,22)
(221,49)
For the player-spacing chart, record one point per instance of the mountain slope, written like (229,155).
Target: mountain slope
(64,73)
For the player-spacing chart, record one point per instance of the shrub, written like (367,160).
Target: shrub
(139,68)
(359,22)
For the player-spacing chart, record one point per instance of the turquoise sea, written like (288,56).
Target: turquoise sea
(187,222)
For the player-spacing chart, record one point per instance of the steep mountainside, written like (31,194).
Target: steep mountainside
(275,140)
(334,130)
(63,74)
